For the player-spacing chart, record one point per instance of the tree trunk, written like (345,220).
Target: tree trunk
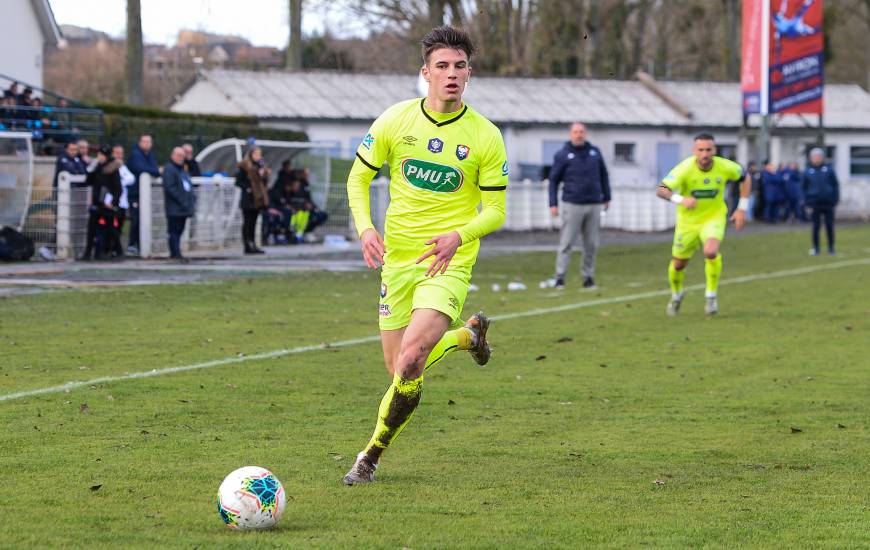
(436,13)
(133,67)
(639,35)
(293,56)
(592,58)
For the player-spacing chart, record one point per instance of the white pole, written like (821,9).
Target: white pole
(145,215)
(64,244)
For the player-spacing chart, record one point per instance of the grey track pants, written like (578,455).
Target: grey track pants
(578,219)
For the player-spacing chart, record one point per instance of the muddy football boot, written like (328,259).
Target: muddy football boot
(478,324)
(363,471)
(711,307)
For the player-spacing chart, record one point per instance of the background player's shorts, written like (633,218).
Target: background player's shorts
(406,288)
(689,236)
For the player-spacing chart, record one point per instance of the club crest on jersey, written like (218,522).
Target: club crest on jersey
(706,181)
(383,291)
(462,151)
(368,141)
(436,145)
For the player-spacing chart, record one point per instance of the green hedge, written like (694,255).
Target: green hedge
(125,123)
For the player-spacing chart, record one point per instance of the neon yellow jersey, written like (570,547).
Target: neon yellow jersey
(708,187)
(442,165)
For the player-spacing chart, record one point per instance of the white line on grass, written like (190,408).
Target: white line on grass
(370,339)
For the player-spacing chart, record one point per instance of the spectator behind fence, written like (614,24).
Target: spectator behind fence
(103,224)
(586,191)
(141,161)
(821,192)
(127,180)
(251,178)
(774,192)
(292,212)
(190,164)
(179,200)
(794,203)
(84,154)
(68,161)
(9,112)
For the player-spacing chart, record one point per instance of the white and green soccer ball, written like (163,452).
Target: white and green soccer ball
(251,498)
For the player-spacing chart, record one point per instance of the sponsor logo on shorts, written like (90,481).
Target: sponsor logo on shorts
(432,176)
(384,310)
(462,151)
(383,290)
(368,141)
(436,145)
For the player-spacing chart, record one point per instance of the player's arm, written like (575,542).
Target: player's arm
(370,156)
(739,215)
(493,183)
(669,187)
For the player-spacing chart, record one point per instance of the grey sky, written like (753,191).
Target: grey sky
(262,22)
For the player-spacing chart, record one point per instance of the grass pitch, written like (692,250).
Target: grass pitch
(609,425)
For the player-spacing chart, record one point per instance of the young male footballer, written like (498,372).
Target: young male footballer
(444,160)
(697,186)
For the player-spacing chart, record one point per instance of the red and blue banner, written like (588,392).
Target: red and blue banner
(782,68)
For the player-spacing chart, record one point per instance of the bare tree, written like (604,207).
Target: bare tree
(293,55)
(133,66)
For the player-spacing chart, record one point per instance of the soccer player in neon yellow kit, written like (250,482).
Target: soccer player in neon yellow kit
(444,160)
(697,186)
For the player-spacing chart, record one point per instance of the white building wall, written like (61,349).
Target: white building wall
(21,42)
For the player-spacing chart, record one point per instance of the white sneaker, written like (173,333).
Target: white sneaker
(362,471)
(674,305)
(46,254)
(712,306)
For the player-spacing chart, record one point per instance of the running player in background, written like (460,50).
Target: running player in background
(444,160)
(697,186)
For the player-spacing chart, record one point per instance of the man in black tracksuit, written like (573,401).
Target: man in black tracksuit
(821,193)
(580,166)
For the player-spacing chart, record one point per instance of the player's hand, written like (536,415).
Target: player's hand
(554,211)
(689,203)
(444,249)
(372,248)
(739,219)
(606,205)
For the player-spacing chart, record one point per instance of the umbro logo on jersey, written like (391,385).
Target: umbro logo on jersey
(462,151)
(436,145)
(409,140)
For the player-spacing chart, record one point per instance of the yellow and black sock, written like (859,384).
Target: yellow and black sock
(458,339)
(397,407)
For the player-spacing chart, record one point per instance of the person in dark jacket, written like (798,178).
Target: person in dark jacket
(580,166)
(794,204)
(821,192)
(774,192)
(140,161)
(103,222)
(251,179)
(179,200)
(68,161)
(190,163)
(292,210)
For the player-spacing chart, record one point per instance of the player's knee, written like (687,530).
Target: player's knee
(679,264)
(411,361)
(711,253)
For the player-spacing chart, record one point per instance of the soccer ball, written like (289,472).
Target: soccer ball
(251,498)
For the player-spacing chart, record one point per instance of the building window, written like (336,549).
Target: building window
(727,151)
(624,152)
(859,160)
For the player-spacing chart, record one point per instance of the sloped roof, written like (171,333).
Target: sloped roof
(324,95)
(50,30)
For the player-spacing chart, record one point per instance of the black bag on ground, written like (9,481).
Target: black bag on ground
(14,247)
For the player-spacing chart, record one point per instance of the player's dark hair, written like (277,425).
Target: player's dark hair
(705,136)
(447,36)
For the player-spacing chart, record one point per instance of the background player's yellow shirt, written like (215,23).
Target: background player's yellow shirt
(708,187)
(439,165)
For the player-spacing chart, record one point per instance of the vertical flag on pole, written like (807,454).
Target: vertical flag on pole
(782,68)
